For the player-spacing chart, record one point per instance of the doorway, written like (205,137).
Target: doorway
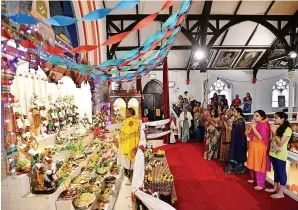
(152,99)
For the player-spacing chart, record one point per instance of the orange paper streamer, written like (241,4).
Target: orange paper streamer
(116,38)
(54,50)
(26,43)
(142,24)
(83,49)
(180,20)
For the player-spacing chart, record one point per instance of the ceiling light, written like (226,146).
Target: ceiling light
(293,54)
(199,55)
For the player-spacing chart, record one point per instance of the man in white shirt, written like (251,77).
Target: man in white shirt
(189,97)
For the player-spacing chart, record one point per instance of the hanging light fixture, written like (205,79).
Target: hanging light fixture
(293,54)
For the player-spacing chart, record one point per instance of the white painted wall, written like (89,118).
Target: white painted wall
(262,94)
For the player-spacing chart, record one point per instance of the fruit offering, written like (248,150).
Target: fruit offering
(148,178)
(148,153)
(82,179)
(70,193)
(160,153)
(84,200)
(148,167)
(94,189)
(155,163)
(95,157)
(167,177)
(115,169)
(102,170)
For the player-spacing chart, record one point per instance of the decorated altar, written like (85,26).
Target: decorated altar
(121,99)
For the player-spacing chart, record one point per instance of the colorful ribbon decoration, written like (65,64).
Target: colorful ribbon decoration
(148,58)
(60,20)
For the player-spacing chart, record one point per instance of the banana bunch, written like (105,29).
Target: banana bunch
(95,157)
(155,163)
(161,152)
(167,177)
(148,178)
(148,153)
(148,167)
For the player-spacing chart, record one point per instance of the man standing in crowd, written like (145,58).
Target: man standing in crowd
(190,98)
(129,137)
(236,101)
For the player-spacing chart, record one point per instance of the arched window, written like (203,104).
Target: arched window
(221,87)
(280,93)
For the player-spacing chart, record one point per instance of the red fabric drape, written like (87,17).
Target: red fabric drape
(166,100)
(139,88)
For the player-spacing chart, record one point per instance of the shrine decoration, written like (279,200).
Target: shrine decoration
(130,98)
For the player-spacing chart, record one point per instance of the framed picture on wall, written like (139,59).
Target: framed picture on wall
(249,58)
(225,59)
(277,53)
(171,84)
(281,101)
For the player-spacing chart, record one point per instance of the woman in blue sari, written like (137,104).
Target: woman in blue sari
(238,146)
(247,101)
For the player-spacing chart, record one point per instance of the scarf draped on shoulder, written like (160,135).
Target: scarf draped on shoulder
(129,137)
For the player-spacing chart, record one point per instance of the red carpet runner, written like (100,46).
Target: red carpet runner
(203,185)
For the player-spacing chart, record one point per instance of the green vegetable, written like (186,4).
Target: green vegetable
(22,163)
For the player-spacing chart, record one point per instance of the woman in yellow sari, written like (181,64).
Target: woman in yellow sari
(129,137)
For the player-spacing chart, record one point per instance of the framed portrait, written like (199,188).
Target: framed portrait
(225,59)
(171,84)
(249,58)
(276,54)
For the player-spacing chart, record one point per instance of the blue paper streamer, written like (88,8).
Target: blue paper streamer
(172,19)
(60,20)
(126,4)
(65,20)
(130,53)
(97,14)
(23,18)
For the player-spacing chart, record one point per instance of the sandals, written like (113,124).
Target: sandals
(250,181)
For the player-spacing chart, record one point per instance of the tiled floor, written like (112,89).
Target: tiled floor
(124,200)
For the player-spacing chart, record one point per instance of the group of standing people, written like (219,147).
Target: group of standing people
(228,139)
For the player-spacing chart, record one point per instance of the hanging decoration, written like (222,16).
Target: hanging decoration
(147,56)
(60,20)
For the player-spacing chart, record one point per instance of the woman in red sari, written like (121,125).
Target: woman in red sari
(258,154)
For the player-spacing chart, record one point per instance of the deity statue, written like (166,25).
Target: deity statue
(85,122)
(35,111)
(43,114)
(55,118)
(43,173)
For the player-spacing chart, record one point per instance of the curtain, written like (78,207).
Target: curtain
(139,88)
(166,101)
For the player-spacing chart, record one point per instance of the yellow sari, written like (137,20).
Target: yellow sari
(129,137)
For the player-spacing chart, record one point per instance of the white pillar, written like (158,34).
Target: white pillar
(204,91)
(291,92)
(254,100)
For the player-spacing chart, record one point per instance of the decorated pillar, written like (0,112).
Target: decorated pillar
(140,91)
(8,130)
(291,92)
(166,100)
